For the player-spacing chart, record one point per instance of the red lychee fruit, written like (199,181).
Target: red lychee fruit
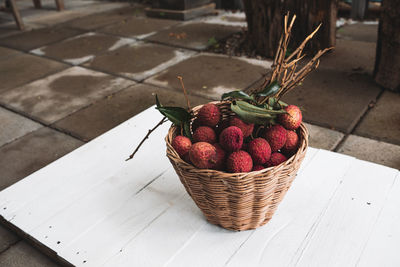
(292,143)
(258,167)
(292,119)
(221,155)
(231,139)
(247,128)
(181,144)
(204,134)
(209,115)
(276,137)
(239,161)
(259,150)
(203,155)
(276,159)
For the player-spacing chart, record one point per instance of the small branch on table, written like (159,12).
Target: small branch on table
(164,119)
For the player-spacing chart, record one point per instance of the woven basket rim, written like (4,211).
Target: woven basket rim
(303,132)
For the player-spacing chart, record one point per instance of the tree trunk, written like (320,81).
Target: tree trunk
(387,62)
(265,19)
(264,24)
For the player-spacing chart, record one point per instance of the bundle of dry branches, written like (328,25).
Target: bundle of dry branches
(284,68)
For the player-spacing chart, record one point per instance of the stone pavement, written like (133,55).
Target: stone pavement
(81,72)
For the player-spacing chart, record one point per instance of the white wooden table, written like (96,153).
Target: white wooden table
(91,208)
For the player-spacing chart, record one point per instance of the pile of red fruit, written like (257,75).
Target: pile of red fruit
(233,145)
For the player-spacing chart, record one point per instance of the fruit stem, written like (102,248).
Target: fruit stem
(185,93)
(164,119)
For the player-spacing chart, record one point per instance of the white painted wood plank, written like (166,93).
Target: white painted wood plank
(93,207)
(157,243)
(215,242)
(341,234)
(66,180)
(103,156)
(382,248)
(111,235)
(277,243)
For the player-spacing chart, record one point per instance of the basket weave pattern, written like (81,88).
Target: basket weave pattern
(237,201)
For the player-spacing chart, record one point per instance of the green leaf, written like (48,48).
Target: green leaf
(283,104)
(176,115)
(186,129)
(251,108)
(212,41)
(251,116)
(270,89)
(237,95)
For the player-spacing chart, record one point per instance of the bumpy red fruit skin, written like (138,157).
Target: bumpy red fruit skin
(276,159)
(239,161)
(276,137)
(203,155)
(258,167)
(292,143)
(181,144)
(247,128)
(231,139)
(204,134)
(209,115)
(221,156)
(259,150)
(292,120)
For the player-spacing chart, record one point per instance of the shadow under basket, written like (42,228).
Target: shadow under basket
(237,201)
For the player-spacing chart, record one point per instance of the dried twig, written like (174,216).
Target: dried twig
(185,93)
(164,119)
(285,69)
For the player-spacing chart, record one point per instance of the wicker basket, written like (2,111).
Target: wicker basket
(237,201)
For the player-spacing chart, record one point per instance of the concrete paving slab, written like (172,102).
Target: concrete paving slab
(10,28)
(382,122)
(139,27)
(6,52)
(13,126)
(75,10)
(360,31)
(31,153)
(193,35)
(351,56)
(25,68)
(98,118)
(334,99)
(36,38)
(61,94)
(228,18)
(103,19)
(324,138)
(372,150)
(82,48)
(7,238)
(23,254)
(138,60)
(211,75)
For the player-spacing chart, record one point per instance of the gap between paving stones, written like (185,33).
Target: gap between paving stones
(39,122)
(357,123)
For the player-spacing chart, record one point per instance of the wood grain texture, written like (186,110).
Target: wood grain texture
(91,208)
